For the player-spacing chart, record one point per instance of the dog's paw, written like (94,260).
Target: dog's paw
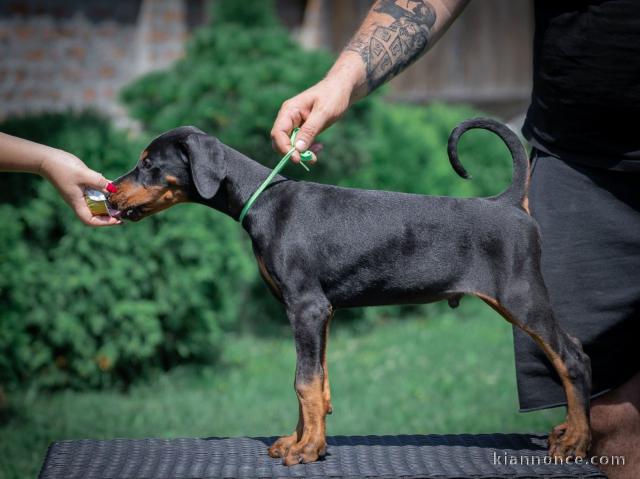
(302,452)
(566,442)
(282,445)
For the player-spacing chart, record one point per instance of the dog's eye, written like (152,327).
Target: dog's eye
(146,163)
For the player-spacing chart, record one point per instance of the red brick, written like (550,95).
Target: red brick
(107,72)
(173,16)
(77,52)
(35,55)
(23,31)
(158,36)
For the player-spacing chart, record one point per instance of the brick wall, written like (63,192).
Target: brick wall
(61,54)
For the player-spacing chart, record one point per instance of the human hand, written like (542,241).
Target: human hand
(71,176)
(313,110)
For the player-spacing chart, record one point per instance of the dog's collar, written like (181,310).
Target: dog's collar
(304,157)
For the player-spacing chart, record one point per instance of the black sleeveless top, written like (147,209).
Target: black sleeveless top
(585,104)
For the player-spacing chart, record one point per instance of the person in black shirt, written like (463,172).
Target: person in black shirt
(584,189)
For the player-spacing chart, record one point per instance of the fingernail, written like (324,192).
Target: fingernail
(301,145)
(111,188)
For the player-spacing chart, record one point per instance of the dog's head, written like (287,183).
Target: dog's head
(183,164)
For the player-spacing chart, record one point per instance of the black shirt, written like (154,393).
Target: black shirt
(585,104)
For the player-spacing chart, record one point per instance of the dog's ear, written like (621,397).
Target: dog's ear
(206,160)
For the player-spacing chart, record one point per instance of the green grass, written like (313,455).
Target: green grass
(451,374)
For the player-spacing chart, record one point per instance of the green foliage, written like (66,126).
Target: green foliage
(92,307)
(248,13)
(408,153)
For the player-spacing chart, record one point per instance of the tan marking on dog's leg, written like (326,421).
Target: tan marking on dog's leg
(326,389)
(268,278)
(312,444)
(525,200)
(576,421)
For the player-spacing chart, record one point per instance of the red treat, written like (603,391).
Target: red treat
(111,188)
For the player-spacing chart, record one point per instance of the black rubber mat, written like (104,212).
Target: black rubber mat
(448,456)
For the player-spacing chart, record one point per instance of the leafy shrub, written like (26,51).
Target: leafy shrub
(93,307)
(407,152)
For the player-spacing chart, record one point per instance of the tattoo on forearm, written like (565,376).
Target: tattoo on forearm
(389,49)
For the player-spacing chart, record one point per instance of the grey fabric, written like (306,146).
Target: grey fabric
(590,225)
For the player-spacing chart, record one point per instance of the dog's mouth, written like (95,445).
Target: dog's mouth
(133,213)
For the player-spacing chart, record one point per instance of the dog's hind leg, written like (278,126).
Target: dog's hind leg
(309,319)
(526,305)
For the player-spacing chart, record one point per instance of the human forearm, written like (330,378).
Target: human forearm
(65,171)
(394,34)
(17,154)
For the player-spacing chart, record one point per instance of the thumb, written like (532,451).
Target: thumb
(313,125)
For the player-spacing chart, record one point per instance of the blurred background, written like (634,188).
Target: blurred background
(164,328)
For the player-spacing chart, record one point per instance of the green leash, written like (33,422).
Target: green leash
(304,156)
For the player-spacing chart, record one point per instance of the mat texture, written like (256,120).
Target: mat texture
(450,456)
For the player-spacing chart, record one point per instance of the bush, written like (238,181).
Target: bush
(93,307)
(407,152)
(89,308)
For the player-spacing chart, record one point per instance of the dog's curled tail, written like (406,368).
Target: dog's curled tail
(516,194)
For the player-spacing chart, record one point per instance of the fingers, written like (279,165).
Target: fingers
(288,118)
(103,221)
(79,206)
(315,149)
(312,126)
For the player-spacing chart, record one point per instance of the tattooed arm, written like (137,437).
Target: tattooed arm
(394,34)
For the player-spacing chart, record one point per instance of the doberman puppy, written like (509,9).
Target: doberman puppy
(321,247)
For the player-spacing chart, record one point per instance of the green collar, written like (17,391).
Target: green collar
(304,156)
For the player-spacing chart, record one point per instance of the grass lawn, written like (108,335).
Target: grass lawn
(450,374)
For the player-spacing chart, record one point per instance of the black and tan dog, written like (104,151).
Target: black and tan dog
(322,247)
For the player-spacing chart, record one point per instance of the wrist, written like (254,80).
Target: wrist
(50,161)
(347,75)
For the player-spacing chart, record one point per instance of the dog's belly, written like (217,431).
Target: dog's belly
(391,297)
(396,280)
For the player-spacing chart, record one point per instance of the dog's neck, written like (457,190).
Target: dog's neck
(242,179)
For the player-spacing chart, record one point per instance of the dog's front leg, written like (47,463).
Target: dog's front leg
(309,320)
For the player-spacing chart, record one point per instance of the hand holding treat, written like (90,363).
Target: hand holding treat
(74,180)
(66,172)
